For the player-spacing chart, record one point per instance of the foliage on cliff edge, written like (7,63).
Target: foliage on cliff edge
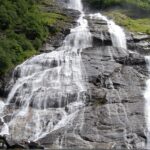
(24,26)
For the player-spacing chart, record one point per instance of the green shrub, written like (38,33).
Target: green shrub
(23,29)
(5,62)
(24,26)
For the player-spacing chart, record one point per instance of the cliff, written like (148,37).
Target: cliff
(83,91)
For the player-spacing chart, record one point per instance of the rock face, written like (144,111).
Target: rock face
(114,112)
(139,42)
(119,118)
(100,33)
(113,115)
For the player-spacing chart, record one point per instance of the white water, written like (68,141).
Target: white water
(50,83)
(118,36)
(147,102)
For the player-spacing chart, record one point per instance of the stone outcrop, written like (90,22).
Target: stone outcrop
(100,33)
(139,42)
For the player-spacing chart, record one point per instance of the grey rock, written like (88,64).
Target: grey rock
(140,37)
(100,33)
(7,118)
(122,112)
(34,145)
(1,122)
(114,114)
(139,43)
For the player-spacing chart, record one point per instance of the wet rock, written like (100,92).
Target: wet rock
(99,31)
(4,84)
(132,59)
(113,76)
(139,43)
(46,48)
(1,122)
(7,118)
(34,145)
(11,144)
(8,143)
(113,112)
(17,146)
(56,41)
(59,101)
(113,116)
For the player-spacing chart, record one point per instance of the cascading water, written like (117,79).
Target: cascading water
(118,36)
(147,102)
(49,89)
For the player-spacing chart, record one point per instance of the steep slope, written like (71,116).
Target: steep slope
(24,28)
(84,93)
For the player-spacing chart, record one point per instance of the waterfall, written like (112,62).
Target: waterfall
(147,102)
(76,4)
(118,36)
(49,89)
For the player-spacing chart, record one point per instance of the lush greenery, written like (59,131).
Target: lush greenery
(24,26)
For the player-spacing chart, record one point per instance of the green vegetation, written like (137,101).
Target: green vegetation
(134,15)
(132,24)
(24,26)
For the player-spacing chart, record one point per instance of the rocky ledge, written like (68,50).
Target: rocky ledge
(100,33)
(139,42)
